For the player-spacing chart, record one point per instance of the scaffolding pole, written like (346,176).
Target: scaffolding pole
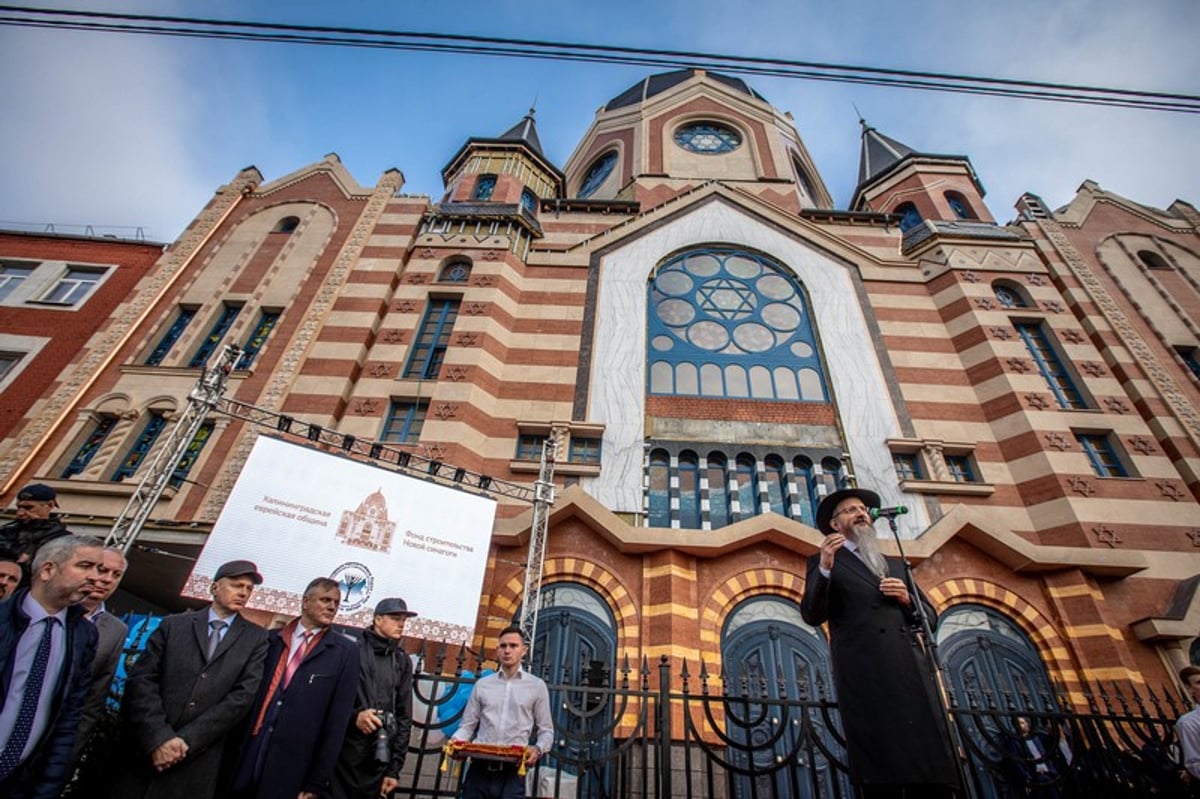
(156,477)
(535,563)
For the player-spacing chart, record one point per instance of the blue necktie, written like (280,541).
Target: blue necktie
(10,758)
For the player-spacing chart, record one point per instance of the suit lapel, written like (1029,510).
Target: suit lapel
(200,626)
(230,637)
(854,564)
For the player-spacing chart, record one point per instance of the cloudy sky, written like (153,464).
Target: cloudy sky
(123,131)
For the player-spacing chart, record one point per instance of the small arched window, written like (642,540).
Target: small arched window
(484,186)
(529,201)
(1009,295)
(455,271)
(718,490)
(658,511)
(747,485)
(806,489)
(959,205)
(689,490)
(910,217)
(1153,260)
(776,484)
(806,182)
(286,225)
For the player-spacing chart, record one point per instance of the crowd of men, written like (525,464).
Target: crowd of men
(217,705)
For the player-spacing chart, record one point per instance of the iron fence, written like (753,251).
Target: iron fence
(650,732)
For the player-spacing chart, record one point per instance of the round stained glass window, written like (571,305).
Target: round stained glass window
(708,138)
(730,323)
(601,168)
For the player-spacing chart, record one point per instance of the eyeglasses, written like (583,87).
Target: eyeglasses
(855,509)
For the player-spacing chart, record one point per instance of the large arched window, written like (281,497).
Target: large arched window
(731,323)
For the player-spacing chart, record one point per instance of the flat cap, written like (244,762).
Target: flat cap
(239,568)
(393,606)
(38,492)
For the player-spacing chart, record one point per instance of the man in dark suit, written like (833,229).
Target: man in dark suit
(190,689)
(896,734)
(111,631)
(46,651)
(303,706)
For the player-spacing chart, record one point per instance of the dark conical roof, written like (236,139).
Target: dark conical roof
(879,153)
(649,86)
(525,131)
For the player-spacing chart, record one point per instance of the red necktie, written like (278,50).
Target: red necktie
(297,657)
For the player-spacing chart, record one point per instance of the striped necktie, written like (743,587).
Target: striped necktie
(297,657)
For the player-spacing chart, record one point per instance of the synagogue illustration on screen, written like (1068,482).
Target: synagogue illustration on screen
(368,526)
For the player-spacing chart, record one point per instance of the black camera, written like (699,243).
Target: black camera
(383,736)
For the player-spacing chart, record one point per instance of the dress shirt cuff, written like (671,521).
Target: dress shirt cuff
(824,572)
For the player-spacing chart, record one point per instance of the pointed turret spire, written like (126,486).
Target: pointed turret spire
(879,153)
(525,131)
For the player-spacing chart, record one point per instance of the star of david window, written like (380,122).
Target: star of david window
(708,138)
(731,323)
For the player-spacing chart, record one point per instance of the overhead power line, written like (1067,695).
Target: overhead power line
(339,36)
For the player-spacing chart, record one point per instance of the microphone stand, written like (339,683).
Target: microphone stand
(930,651)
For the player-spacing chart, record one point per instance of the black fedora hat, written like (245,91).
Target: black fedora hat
(829,505)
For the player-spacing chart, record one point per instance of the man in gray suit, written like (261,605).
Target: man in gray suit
(108,649)
(190,689)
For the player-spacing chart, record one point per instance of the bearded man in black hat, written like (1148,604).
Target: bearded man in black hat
(896,734)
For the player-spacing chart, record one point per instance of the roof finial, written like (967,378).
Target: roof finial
(533,105)
(861,121)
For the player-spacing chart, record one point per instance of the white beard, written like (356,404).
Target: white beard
(868,550)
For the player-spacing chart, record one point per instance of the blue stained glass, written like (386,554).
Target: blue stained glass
(910,217)
(218,331)
(195,447)
(170,337)
(266,323)
(141,447)
(731,323)
(599,172)
(529,201)
(708,138)
(90,445)
(484,187)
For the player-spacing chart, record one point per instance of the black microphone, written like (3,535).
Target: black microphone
(888,513)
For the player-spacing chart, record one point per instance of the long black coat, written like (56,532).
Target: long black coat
(44,773)
(174,690)
(895,731)
(302,735)
(384,683)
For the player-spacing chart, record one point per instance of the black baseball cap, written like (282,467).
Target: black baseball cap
(239,568)
(37,492)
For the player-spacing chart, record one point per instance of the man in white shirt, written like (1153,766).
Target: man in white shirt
(1187,729)
(506,708)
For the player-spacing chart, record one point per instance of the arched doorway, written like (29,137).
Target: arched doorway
(991,662)
(575,651)
(765,645)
